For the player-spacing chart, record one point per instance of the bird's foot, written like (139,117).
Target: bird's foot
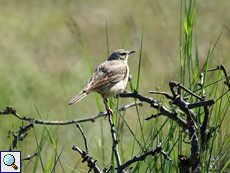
(109,111)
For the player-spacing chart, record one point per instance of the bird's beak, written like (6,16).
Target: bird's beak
(132,51)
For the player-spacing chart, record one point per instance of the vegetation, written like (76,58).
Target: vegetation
(49,49)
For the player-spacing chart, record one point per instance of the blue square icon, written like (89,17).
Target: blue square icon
(10,161)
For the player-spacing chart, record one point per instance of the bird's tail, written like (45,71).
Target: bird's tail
(77,98)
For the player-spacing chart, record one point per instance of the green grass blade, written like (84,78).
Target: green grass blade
(180,46)
(51,140)
(58,159)
(225,166)
(49,163)
(107,37)
(91,72)
(139,64)
(39,149)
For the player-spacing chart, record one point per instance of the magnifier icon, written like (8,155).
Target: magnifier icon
(9,160)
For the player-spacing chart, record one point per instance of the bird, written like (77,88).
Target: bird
(109,79)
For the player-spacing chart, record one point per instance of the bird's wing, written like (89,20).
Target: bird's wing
(117,73)
(105,76)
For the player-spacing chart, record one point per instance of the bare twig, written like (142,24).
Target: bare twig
(200,104)
(20,135)
(221,67)
(201,84)
(30,157)
(159,149)
(11,110)
(206,134)
(168,96)
(203,128)
(226,75)
(157,105)
(214,69)
(87,158)
(115,140)
(106,170)
(85,154)
(83,135)
(173,84)
(153,116)
(131,105)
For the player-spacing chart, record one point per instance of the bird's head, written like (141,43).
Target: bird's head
(120,54)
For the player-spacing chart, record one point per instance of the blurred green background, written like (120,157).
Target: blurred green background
(42,59)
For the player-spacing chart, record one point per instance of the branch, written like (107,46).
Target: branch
(168,96)
(205,134)
(157,105)
(178,100)
(200,104)
(30,157)
(115,140)
(85,154)
(159,149)
(173,84)
(201,84)
(106,170)
(153,116)
(83,135)
(221,67)
(19,136)
(131,105)
(203,128)
(194,159)
(11,110)
(91,162)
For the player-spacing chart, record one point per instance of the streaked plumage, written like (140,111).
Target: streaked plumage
(110,77)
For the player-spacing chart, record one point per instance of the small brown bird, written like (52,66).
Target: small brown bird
(109,79)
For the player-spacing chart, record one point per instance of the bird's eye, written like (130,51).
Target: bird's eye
(122,54)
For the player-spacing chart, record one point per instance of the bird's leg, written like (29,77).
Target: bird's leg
(107,106)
